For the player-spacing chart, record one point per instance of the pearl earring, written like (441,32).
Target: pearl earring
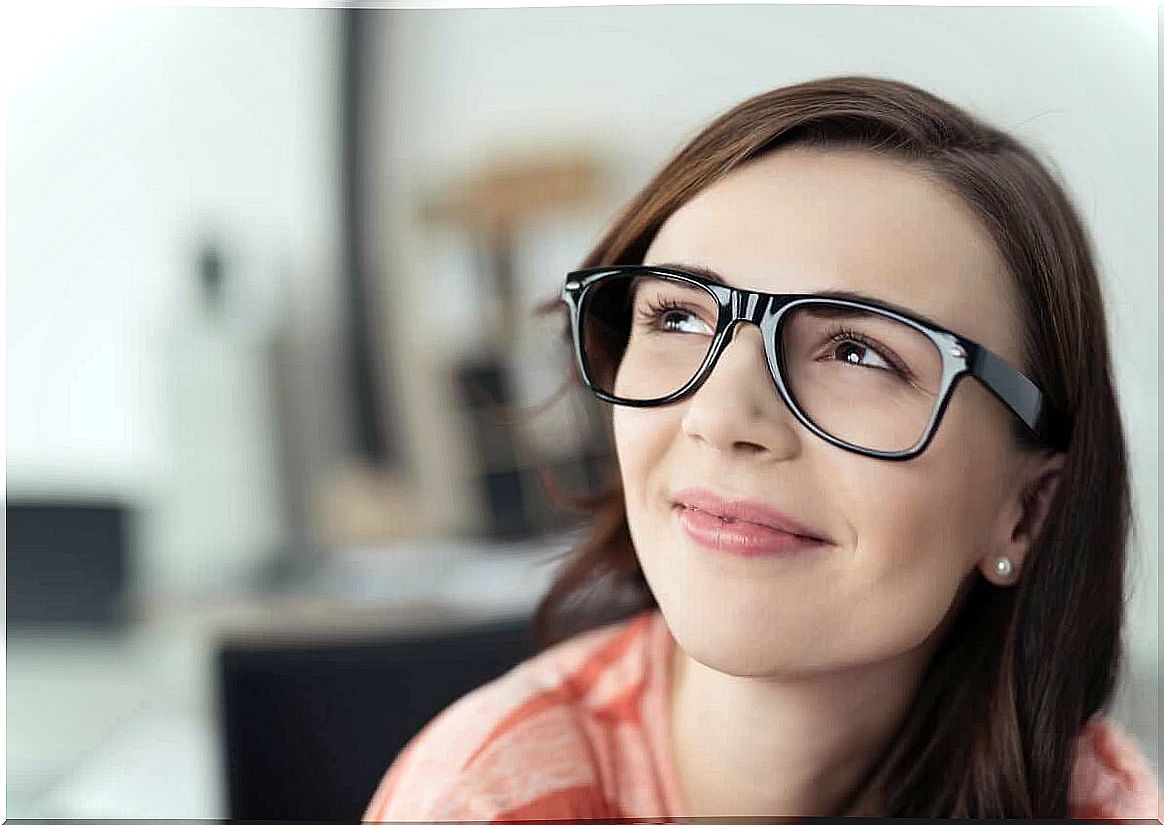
(1004,566)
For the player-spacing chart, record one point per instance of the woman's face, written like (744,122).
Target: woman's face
(904,535)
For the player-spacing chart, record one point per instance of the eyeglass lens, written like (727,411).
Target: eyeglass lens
(860,376)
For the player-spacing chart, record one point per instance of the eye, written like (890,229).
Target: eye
(852,347)
(671,316)
(852,352)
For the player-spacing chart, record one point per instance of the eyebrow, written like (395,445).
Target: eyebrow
(844,294)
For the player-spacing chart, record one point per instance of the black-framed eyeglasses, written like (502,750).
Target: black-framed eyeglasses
(863,375)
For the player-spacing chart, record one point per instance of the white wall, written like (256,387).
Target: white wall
(130,134)
(1079,84)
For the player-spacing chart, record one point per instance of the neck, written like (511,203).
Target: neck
(787,746)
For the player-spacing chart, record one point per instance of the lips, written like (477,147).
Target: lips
(749,511)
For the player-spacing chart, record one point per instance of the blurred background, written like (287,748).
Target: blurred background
(269,274)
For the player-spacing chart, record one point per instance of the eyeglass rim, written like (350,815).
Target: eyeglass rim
(961,356)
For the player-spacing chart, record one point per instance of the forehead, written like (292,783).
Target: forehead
(804,220)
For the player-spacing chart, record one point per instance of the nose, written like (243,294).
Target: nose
(738,408)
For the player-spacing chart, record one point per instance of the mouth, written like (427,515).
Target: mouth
(704,504)
(741,537)
(730,520)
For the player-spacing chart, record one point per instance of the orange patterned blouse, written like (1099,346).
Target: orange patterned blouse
(581,731)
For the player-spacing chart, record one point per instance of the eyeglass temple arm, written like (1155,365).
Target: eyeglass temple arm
(1016,391)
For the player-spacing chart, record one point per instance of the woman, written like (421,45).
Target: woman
(872,504)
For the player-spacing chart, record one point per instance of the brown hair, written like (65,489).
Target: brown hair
(992,728)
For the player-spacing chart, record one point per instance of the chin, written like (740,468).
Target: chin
(736,643)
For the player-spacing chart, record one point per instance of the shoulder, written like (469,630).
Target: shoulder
(527,745)
(1112,778)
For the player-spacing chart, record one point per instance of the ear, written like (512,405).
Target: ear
(1025,512)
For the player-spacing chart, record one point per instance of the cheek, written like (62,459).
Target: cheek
(643,440)
(921,537)
(638,443)
(911,523)
(918,536)
(937,510)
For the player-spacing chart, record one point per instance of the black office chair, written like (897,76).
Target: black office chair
(309,728)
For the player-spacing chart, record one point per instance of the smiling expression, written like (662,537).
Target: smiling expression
(903,536)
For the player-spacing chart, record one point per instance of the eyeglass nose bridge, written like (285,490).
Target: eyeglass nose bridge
(759,308)
(746,308)
(743,306)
